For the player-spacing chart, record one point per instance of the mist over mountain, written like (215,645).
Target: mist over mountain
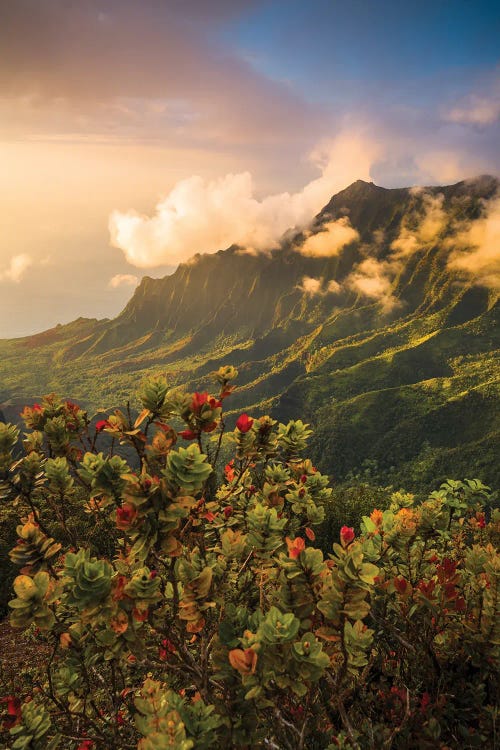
(378,325)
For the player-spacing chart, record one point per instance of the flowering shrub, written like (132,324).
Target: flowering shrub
(214,621)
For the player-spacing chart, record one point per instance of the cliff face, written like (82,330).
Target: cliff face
(383,378)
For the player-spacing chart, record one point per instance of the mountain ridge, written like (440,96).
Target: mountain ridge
(429,355)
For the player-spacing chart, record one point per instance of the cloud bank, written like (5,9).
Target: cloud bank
(16,269)
(123,279)
(334,236)
(476,249)
(374,278)
(205,216)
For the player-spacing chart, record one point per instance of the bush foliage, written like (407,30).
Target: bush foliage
(180,606)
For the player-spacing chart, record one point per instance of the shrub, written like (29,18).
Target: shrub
(214,621)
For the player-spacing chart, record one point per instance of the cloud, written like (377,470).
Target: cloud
(478,111)
(480,107)
(331,239)
(334,287)
(476,249)
(205,216)
(311,286)
(422,227)
(18,265)
(148,71)
(123,279)
(373,279)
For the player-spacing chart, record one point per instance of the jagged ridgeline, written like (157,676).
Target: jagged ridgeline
(378,325)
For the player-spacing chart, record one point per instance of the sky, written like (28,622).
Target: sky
(136,133)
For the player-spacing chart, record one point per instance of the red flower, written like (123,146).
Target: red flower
(118,588)
(140,615)
(188,434)
(295,547)
(36,407)
(85,745)
(167,647)
(346,535)
(100,425)
(119,719)
(209,516)
(427,588)
(310,534)
(198,400)
(244,423)
(228,510)
(425,701)
(401,585)
(229,471)
(125,516)
(13,711)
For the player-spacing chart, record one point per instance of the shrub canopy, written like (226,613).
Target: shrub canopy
(182,605)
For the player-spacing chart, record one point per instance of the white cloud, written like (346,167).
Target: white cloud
(334,287)
(426,230)
(311,286)
(206,216)
(331,239)
(475,250)
(373,279)
(123,279)
(16,269)
(475,110)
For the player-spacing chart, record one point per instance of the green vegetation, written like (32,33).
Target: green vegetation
(201,613)
(413,390)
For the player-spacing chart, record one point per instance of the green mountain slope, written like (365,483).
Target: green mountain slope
(409,389)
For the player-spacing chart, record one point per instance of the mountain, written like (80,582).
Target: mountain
(389,352)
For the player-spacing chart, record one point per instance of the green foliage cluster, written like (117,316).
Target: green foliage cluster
(213,619)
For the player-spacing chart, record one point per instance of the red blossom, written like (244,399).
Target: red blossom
(310,534)
(13,711)
(125,516)
(36,407)
(119,585)
(425,701)
(229,471)
(198,400)
(244,423)
(167,647)
(209,516)
(346,535)
(401,585)
(449,567)
(101,424)
(295,546)
(426,587)
(188,434)
(140,615)
(228,510)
